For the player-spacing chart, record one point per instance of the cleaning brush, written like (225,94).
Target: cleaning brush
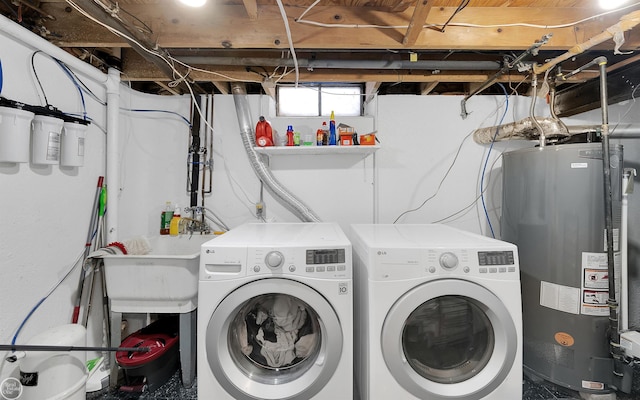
(136,246)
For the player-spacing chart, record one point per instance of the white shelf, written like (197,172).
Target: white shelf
(316,150)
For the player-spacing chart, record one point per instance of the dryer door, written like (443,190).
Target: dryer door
(274,339)
(449,339)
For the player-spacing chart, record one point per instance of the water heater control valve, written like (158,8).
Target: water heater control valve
(448,260)
(274,259)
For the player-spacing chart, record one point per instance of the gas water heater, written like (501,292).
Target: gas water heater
(553,210)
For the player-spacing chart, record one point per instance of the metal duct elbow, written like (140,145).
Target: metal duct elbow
(262,171)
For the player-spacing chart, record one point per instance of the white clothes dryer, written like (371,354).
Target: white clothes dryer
(438,314)
(275,313)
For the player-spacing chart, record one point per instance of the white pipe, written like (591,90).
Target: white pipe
(624,285)
(113,154)
(627,187)
(27,37)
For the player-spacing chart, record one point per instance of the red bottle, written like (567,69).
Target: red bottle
(264,133)
(290,136)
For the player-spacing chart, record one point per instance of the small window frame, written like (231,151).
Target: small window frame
(320,112)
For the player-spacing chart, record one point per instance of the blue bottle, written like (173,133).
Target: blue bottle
(332,130)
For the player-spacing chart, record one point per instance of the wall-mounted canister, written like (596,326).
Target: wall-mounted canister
(15,132)
(72,143)
(45,139)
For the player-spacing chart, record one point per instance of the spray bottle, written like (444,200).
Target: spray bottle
(332,130)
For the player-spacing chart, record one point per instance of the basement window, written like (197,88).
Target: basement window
(318,100)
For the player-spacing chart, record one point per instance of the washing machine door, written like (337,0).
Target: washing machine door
(449,339)
(274,339)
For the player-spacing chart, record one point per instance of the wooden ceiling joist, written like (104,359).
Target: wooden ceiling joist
(427,87)
(418,19)
(228,27)
(252,9)
(371,88)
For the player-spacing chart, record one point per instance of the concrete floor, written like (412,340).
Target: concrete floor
(173,390)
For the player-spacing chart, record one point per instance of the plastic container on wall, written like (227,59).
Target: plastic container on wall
(72,143)
(15,129)
(45,139)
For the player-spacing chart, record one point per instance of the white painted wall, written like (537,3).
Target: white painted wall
(46,210)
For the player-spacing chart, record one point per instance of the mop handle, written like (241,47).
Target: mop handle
(37,347)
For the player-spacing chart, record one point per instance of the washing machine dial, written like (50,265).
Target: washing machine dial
(274,259)
(448,260)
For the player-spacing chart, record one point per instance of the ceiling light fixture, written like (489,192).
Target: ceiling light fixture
(611,4)
(193,3)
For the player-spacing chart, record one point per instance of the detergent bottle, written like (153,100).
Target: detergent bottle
(321,134)
(174,226)
(332,130)
(290,135)
(264,133)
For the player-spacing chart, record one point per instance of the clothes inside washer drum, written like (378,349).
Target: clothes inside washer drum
(277,332)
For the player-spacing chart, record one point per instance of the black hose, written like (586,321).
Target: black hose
(195,156)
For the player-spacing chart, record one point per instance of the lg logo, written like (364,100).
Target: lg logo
(382,253)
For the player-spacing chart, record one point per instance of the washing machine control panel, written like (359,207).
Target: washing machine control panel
(321,263)
(274,259)
(448,260)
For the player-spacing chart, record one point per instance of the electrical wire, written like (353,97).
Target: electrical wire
(461,7)
(470,204)
(516,24)
(449,170)
(288,30)
(455,158)
(484,206)
(42,300)
(633,98)
(183,118)
(218,221)
(72,78)
(35,74)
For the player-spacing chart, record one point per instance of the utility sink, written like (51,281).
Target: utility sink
(163,281)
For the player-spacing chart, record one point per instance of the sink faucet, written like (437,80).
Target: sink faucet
(196,222)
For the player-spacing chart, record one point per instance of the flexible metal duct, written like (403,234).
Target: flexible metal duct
(264,173)
(524,129)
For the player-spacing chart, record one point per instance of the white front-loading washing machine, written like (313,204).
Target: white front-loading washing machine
(275,313)
(438,314)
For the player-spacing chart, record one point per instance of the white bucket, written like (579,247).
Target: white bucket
(15,129)
(72,142)
(45,139)
(55,375)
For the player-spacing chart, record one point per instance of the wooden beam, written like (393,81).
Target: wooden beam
(223,87)
(586,97)
(418,19)
(269,88)
(252,9)
(167,88)
(371,88)
(427,87)
(228,26)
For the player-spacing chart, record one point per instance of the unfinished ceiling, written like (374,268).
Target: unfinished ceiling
(390,46)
